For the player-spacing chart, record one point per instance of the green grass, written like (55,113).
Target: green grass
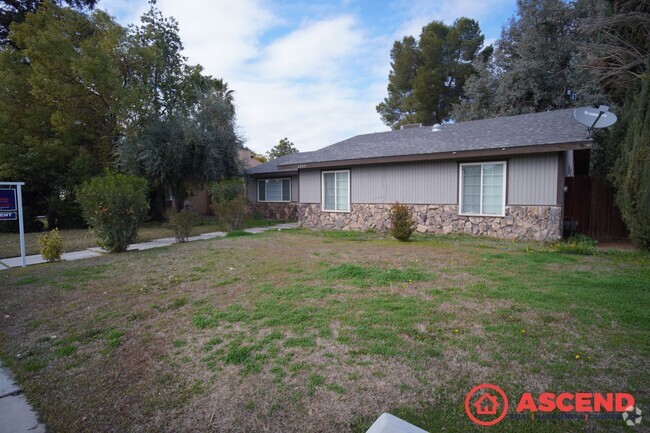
(114,338)
(370,276)
(346,325)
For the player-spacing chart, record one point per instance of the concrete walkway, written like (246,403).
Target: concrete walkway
(15,262)
(16,414)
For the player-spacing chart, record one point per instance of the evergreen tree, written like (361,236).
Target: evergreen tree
(631,174)
(15,11)
(537,64)
(284,147)
(428,75)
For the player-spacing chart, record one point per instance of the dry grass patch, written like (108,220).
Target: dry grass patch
(315,331)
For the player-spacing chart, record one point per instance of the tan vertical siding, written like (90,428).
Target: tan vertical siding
(309,186)
(295,189)
(432,182)
(252,190)
(533,179)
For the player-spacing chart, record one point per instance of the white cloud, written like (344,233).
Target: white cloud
(311,72)
(316,50)
(311,115)
(221,35)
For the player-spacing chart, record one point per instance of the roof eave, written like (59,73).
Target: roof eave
(271,174)
(515,150)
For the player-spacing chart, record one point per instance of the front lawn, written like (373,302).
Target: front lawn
(301,331)
(81,239)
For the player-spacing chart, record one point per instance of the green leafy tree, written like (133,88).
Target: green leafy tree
(536,53)
(15,11)
(480,92)
(427,76)
(60,93)
(181,129)
(536,65)
(284,147)
(176,151)
(631,174)
(619,56)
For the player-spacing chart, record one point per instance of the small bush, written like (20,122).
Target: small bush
(229,202)
(114,206)
(51,245)
(182,223)
(401,222)
(578,244)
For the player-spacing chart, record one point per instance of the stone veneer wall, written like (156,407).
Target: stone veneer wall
(278,211)
(540,223)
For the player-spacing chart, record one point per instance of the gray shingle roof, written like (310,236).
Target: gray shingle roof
(552,127)
(272,166)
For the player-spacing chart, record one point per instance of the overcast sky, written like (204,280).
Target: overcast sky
(312,71)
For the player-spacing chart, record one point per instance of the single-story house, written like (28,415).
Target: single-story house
(501,177)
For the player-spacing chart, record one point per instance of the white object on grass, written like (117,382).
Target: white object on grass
(388,423)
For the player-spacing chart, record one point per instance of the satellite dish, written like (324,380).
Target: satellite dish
(594,118)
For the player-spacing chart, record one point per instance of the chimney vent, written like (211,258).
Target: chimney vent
(436,127)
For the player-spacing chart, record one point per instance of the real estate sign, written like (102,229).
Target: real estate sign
(8,204)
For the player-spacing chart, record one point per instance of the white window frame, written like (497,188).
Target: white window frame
(265,195)
(322,182)
(503,194)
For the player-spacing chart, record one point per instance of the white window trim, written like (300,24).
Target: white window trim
(257,186)
(460,188)
(322,182)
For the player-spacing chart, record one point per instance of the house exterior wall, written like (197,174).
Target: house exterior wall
(532,180)
(275,210)
(430,188)
(539,223)
(310,186)
(199,203)
(416,183)
(533,201)
(251,189)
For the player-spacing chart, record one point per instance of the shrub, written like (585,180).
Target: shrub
(401,222)
(229,202)
(631,174)
(182,223)
(114,205)
(51,245)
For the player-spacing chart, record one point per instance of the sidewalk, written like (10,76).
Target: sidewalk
(15,262)
(16,414)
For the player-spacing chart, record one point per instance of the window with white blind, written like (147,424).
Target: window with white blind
(482,189)
(336,191)
(270,190)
